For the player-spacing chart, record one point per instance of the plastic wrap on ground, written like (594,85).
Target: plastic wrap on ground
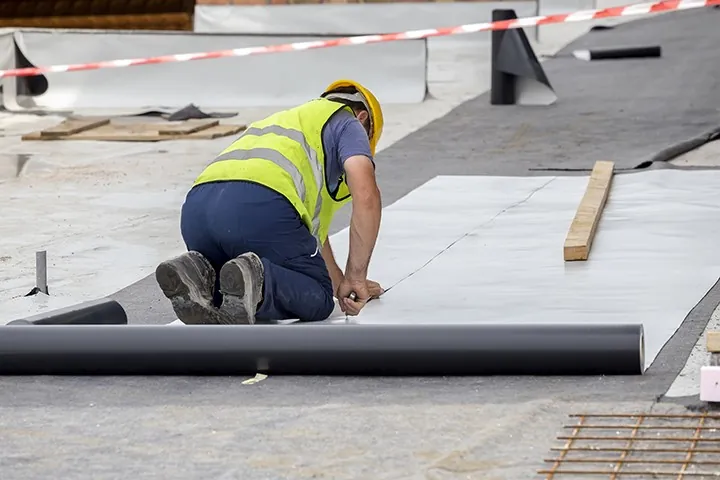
(225,84)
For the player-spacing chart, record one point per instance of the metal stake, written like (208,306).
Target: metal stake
(41,271)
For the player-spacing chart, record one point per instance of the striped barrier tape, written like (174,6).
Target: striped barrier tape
(579,16)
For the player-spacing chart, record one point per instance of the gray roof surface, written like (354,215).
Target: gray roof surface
(439,428)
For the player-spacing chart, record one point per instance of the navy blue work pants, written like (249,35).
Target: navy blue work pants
(223,220)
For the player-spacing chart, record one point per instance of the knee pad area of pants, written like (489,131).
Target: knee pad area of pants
(323,310)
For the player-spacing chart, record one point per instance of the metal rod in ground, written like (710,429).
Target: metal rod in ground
(638,451)
(651,461)
(41,271)
(647,415)
(644,473)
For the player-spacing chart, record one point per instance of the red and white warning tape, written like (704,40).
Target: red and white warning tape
(580,16)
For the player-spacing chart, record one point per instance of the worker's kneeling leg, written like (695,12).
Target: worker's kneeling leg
(301,289)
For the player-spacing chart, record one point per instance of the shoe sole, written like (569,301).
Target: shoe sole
(233,280)
(186,300)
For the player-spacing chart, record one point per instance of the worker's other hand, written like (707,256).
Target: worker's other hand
(374,289)
(362,295)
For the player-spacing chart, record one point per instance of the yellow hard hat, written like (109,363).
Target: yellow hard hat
(372,104)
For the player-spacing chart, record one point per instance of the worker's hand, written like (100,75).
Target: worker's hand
(374,289)
(336,287)
(362,295)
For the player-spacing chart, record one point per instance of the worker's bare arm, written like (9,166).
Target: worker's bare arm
(366,214)
(336,274)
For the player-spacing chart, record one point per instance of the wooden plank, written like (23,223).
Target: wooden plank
(713,341)
(187,127)
(216,132)
(582,230)
(73,126)
(141,132)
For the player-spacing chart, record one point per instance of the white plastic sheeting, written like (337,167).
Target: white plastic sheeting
(282,79)
(489,249)
(7,60)
(347,19)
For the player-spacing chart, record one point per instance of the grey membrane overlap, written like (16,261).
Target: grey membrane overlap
(492,253)
(626,111)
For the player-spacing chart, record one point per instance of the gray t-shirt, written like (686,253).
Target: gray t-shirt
(343,137)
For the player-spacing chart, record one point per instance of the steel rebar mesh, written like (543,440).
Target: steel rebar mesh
(615,446)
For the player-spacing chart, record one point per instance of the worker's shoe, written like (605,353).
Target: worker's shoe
(241,283)
(188,282)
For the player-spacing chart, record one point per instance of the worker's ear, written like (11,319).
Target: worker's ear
(363,117)
(364,120)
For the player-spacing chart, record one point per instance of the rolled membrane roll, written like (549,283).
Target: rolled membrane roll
(322,349)
(618,53)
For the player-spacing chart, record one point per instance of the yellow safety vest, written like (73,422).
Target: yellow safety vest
(285,152)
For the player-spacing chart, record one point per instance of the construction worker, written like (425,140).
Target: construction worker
(256,220)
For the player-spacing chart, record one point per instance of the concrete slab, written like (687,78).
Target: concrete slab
(424,429)
(706,156)
(23,307)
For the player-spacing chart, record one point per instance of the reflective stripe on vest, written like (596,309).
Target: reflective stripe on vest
(283,162)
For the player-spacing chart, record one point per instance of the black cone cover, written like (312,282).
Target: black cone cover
(516,57)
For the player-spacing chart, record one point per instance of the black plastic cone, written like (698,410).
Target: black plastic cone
(517,77)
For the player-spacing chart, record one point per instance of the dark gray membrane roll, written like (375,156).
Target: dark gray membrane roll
(654,51)
(103,311)
(478,349)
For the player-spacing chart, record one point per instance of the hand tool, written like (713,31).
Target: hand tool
(352,297)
